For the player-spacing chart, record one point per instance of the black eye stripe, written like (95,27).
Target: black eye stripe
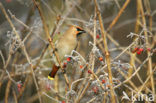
(78,29)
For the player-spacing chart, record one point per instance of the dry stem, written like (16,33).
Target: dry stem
(107,54)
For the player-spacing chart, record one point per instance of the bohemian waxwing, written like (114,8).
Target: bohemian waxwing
(66,43)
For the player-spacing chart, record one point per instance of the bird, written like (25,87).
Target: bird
(64,46)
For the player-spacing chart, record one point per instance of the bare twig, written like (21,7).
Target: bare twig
(7,91)
(134,72)
(2,57)
(23,47)
(107,54)
(50,40)
(15,96)
(147,46)
(118,15)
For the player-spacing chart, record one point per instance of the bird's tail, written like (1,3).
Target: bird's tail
(53,72)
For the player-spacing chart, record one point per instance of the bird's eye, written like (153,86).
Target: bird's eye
(78,29)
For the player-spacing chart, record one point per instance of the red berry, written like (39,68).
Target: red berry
(149,49)
(19,85)
(103,81)
(89,71)
(48,86)
(63,102)
(68,59)
(95,89)
(135,49)
(138,52)
(19,89)
(8,1)
(97,36)
(81,66)
(100,58)
(65,64)
(141,49)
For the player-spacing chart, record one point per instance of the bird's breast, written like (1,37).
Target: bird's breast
(65,47)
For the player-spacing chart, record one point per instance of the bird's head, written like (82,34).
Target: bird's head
(79,30)
(76,30)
